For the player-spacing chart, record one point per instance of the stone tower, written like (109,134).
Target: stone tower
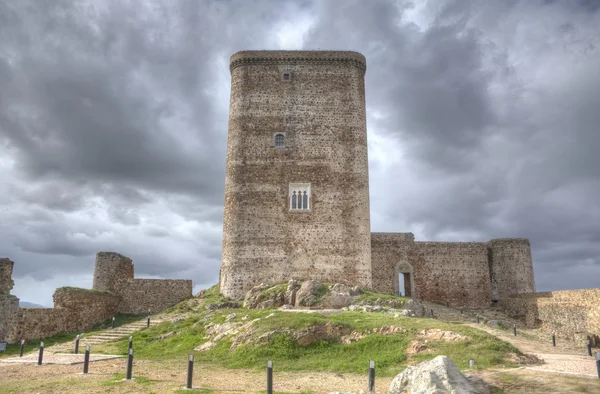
(296,185)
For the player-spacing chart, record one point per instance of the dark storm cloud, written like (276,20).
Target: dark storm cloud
(489,149)
(113,120)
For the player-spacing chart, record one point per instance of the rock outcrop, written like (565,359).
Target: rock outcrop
(308,294)
(439,375)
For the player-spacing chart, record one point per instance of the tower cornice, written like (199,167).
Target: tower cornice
(244,58)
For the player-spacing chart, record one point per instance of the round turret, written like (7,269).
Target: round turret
(511,267)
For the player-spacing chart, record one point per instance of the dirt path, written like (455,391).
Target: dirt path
(564,358)
(165,377)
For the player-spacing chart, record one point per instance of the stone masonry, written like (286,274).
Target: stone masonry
(114,273)
(315,100)
(115,291)
(297,127)
(573,314)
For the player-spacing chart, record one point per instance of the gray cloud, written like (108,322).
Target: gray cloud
(113,117)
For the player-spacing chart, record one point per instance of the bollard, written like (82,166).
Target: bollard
(515,329)
(190,371)
(86,359)
(41,356)
(471,363)
(130,343)
(589,346)
(129,364)
(371,376)
(22,346)
(477,318)
(148,322)
(554,339)
(269,377)
(76,351)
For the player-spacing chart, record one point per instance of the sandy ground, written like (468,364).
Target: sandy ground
(561,369)
(167,377)
(563,358)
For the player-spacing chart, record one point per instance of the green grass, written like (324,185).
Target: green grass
(81,289)
(389,352)
(118,380)
(14,349)
(368,297)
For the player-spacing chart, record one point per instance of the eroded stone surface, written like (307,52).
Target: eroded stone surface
(439,375)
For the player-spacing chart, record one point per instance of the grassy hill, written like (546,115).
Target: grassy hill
(341,342)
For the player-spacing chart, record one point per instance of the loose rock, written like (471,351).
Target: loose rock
(439,375)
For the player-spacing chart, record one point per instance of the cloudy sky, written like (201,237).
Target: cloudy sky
(483,122)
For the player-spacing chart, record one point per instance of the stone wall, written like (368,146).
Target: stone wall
(74,310)
(511,267)
(141,295)
(469,274)
(453,272)
(388,250)
(571,313)
(115,290)
(112,271)
(115,272)
(6,269)
(9,316)
(321,112)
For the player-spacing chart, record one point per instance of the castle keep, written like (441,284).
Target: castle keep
(297,192)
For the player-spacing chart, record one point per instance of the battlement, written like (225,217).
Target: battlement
(243,58)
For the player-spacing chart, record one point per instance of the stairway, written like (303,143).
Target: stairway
(108,335)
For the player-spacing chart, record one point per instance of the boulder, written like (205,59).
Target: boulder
(340,296)
(256,298)
(439,375)
(308,294)
(289,297)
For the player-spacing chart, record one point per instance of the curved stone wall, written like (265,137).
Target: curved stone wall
(511,267)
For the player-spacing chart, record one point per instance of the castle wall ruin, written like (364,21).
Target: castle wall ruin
(115,273)
(115,291)
(573,314)
(470,274)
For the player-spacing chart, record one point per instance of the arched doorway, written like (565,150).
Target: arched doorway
(403,280)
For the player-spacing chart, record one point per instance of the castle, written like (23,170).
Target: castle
(297,193)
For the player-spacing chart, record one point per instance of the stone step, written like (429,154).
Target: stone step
(108,335)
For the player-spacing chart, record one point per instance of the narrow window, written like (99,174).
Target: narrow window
(286,77)
(299,197)
(279,140)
